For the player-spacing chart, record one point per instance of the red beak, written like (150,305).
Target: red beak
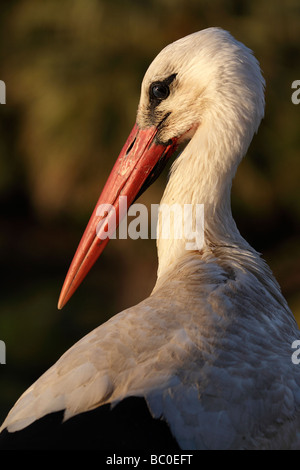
(136,168)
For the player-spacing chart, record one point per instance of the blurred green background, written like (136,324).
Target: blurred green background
(72,71)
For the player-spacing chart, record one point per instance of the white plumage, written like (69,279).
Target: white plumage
(210,349)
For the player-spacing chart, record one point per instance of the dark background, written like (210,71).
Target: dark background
(73,71)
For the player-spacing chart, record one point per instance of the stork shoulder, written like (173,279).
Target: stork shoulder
(133,352)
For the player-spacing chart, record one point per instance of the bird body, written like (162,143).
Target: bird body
(221,377)
(209,351)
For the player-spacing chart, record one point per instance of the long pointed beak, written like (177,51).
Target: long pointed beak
(136,168)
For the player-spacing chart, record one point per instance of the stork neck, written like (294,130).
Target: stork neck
(201,179)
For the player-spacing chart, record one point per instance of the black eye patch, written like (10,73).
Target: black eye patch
(160,90)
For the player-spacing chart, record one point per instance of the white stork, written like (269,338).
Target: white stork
(205,361)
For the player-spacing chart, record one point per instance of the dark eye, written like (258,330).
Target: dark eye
(159,91)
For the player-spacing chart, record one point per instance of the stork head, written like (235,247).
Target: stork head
(205,81)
